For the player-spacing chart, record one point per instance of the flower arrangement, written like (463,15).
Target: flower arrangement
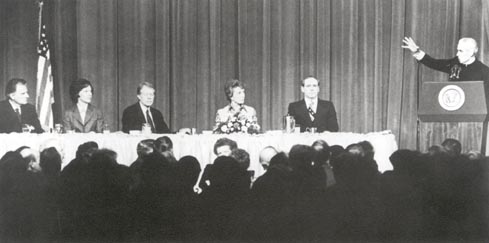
(237,124)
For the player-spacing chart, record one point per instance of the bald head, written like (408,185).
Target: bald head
(266,155)
(468,43)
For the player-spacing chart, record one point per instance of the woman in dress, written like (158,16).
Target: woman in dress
(82,116)
(236,110)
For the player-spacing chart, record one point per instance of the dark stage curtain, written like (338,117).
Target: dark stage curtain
(189,48)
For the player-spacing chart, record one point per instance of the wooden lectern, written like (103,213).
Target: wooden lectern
(454,102)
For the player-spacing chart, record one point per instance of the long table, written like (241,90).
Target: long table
(201,145)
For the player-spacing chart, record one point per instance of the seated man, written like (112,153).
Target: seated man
(312,111)
(135,115)
(15,110)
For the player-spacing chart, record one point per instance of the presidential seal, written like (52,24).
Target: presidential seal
(451,97)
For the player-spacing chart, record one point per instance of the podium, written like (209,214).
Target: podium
(455,102)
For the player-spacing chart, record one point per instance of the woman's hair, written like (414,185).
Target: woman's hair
(76,87)
(230,85)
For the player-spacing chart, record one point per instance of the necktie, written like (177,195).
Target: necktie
(18,114)
(311,112)
(150,121)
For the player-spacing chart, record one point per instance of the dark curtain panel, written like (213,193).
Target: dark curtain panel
(99,37)
(3,46)
(63,36)
(189,48)
(18,38)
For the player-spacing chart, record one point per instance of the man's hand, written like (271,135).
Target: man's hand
(410,44)
(197,189)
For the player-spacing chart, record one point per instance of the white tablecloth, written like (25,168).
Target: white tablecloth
(201,146)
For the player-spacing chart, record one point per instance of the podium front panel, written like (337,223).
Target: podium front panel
(452,102)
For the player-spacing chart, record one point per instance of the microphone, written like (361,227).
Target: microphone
(455,69)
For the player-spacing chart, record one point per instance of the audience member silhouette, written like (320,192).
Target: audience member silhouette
(224,199)
(271,197)
(15,223)
(452,147)
(153,203)
(336,150)
(222,147)
(188,210)
(74,190)
(305,179)
(402,195)
(188,169)
(50,162)
(266,154)
(30,155)
(435,150)
(442,195)
(164,145)
(144,148)
(307,191)
(28,204)
(321,165)
(107,191)
(243,159)
(351,208)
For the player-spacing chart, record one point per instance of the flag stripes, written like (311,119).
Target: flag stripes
(44,85)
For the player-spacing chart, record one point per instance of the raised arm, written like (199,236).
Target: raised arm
(411,45)
(442,65)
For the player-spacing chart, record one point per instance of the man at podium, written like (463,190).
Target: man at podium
(453,119)
(463,67)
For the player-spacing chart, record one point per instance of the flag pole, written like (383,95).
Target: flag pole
(39,29)
(40,2)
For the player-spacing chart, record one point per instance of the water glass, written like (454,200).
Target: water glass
(58,128)
(105,128)
(311,129)
(146,128)
(25,128)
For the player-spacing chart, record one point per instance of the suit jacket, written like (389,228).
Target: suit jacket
(133,118)
(9,121)
(325,117)
(94,120)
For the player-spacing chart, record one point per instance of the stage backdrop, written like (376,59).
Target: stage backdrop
(189,48)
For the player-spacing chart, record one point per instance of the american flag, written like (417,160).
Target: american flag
(44,85)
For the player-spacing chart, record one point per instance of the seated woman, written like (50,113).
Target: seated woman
(82,117)
(236,112)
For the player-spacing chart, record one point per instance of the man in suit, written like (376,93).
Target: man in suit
(312,111)
(15,110)
(135,115)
